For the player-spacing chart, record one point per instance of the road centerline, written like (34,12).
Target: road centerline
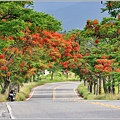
(54,91)
(105,105)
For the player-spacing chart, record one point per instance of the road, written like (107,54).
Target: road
(60,101)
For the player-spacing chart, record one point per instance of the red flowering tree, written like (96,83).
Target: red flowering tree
(102,39)
(18,46)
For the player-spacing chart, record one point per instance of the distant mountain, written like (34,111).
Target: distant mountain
(75,14)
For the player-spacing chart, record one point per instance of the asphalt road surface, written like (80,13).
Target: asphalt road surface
(60,101)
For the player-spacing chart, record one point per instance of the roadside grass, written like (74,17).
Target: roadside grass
(3,98)
(26,89)
(83,91)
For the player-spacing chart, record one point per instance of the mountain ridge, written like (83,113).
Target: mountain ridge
(75,15)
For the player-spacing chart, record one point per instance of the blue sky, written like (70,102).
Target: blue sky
(72,14)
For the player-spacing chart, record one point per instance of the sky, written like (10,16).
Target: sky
(72,14)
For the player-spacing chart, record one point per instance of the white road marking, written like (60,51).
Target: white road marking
(77,94)
(54,91)
(31,94)
(10,111)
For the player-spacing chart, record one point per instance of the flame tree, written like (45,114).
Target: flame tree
(17,21)
(103,59)
(99,43)
(30,43)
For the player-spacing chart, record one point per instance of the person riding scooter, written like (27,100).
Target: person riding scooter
(12,95)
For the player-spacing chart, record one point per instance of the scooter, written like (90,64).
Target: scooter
(12,95)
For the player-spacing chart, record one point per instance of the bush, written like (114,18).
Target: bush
(83,91)
(20,96)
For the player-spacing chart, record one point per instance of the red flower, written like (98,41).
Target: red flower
(76,48)
(96,41)
(87,54)
(95,22)
(65,66)
(105,57)
(22,64)
(4,68)
(2,56)
(117,70)
(79,56)
(4,49)
(8,74)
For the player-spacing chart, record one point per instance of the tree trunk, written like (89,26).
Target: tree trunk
(94,87)
(91,82)
(118,87)
(6,84)
(18,88)
(67,75)
(33,78)
(66,72)
(104,85)
(109,89)
(38,77)
(52,75)
(84,82)
(97,87)
(109,86)
(100,84)
(113,86)
(90,88)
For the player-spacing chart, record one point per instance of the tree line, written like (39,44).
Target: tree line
(32,42)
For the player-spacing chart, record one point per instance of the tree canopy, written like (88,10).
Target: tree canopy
(31,43)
